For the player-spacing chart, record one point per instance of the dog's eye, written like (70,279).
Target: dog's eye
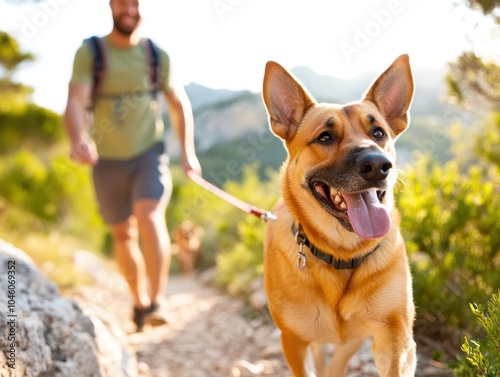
(325,138)
(378,133)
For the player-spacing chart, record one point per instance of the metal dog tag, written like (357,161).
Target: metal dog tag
(301,259)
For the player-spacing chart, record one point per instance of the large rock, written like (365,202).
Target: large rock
(45,335)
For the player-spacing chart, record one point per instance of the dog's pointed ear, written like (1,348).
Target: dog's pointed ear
(286,100)
(392,93)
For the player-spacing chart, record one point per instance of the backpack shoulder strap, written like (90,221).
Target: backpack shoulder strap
(154,68)
(99,63)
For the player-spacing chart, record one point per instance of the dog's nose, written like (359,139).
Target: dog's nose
(373,167)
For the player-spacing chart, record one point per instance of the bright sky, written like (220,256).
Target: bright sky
(226,43)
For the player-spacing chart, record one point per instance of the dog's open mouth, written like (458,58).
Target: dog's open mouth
(364,211)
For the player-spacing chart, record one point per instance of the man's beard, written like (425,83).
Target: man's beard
(125,29)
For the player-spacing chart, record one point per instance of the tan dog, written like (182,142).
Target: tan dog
(187,247)
(335,268)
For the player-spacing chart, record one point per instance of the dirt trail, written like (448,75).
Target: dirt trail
(209,336)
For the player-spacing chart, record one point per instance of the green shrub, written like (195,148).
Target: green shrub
(192,202)
(489,139)
(56,191)
(233,239)
(451,229)
(50,247)
(483,357)
(242,261)
(28,123)
(240,264)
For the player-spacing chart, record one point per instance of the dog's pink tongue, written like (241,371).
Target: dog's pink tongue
(368,217)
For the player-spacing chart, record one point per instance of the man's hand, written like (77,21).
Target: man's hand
(191,163)
(84,151)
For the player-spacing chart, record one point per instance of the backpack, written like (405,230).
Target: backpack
(99,67)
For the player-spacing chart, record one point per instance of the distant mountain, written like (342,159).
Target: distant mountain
(230,120)
(430,88)
(332,89)
(222,116)
(203,97)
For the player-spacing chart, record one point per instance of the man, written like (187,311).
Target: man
(125,146)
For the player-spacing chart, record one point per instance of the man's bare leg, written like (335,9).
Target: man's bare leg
(155,244)
(130,260)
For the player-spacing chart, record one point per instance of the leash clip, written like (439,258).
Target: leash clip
(301,258)
(268,216)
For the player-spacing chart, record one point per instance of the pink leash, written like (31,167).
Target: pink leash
(260,213)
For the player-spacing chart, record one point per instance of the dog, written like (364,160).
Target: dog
(187,247)
(335,264)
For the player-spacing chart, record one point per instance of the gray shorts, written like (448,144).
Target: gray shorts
(118,184)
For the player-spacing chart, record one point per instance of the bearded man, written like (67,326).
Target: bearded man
(122,77)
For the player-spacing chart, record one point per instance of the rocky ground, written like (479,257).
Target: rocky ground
(209,334)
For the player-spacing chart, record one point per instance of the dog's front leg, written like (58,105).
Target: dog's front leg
(298,355)
(394,350)
(342,353)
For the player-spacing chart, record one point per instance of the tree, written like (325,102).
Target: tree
(11,58)
(472,79)
(21,121)
(10,53)
(488,7)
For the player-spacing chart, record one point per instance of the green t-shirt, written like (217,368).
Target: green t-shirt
(127,119)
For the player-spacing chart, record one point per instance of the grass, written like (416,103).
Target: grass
(48,245)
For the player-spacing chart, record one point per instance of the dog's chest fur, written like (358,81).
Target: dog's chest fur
(316,315)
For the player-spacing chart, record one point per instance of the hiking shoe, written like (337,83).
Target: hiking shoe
(151,315)
(156,316)
(139,317)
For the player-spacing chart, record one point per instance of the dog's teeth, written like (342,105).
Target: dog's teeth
(338,199)
(343,205)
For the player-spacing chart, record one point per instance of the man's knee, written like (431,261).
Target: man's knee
(124,232)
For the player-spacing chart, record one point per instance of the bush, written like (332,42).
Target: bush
(47,208)
(233,239)
(489,139)
(243,262)
(450,224)
(49,246)
(243,259)
(28,123)
(57,192)
(483,358)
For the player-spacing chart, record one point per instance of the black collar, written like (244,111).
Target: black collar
(338,264)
